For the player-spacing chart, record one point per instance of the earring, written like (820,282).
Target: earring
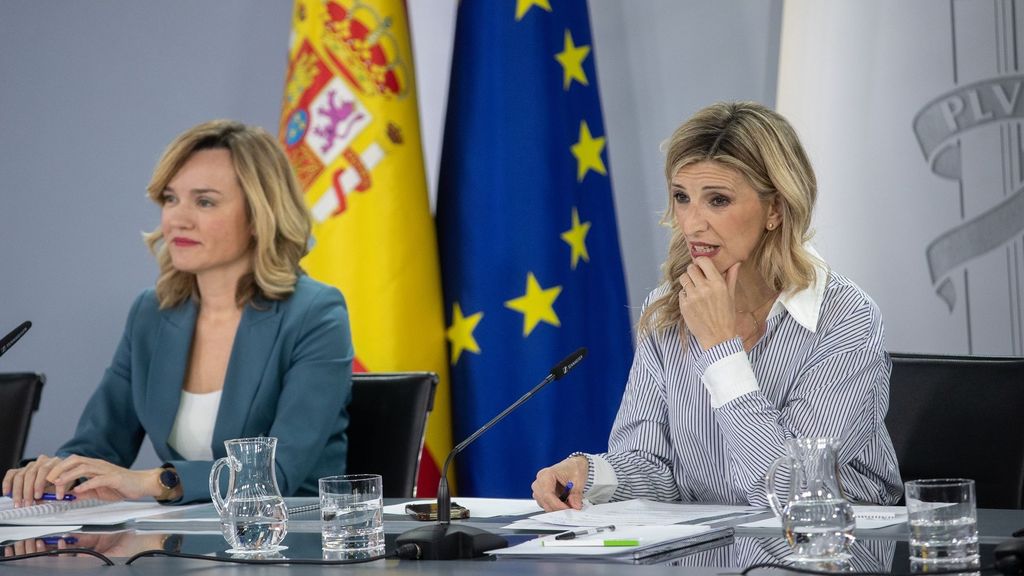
(771,226)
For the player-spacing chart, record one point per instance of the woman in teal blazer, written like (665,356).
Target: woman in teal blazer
(231,315)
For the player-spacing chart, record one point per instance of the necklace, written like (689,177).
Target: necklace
(753,316)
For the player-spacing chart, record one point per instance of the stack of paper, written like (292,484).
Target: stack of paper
(78,512)
(633,513)
(632,544)
(23,532)
(868,518)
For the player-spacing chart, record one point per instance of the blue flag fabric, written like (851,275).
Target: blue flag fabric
(530,260)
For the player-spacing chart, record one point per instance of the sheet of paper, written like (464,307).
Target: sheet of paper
(643,512)
(480,507)
(9,534)
(646,535)
(205,528)
(179,514)
(868,518)
(102,515)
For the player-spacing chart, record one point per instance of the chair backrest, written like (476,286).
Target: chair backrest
(387,426)
(19,399)
(960,416)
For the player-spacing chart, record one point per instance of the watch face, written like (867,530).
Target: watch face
(169,478)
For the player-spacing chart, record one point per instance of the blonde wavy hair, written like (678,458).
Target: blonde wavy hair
(762,146)
(275,210)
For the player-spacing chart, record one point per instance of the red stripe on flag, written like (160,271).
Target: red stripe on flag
(429,476)
(357,366)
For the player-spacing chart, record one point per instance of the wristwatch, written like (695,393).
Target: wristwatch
(169,480)
(172,543)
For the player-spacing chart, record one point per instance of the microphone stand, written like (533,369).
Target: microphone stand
(13,336)
(444,541)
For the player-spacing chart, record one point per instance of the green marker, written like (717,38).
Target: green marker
(622,542)
(581,543)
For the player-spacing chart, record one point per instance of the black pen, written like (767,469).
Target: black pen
(584,532)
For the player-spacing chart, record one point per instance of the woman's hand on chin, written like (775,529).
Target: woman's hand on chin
(707,302)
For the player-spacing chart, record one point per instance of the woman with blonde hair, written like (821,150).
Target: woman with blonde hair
(751,340)
(234,341)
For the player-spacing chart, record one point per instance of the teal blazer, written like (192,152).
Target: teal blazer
(289,376)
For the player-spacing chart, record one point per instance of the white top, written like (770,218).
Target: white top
(192,432)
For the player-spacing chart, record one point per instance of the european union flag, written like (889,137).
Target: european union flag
(530,260)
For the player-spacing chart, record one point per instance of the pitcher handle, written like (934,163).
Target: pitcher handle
(769,478)
(218,502)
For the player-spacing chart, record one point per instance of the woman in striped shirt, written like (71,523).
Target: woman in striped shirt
(751,340)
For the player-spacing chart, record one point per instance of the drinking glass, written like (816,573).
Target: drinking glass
(943,521)
(351,514)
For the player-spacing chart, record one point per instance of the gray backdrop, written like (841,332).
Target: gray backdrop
(929,219)
(90,92)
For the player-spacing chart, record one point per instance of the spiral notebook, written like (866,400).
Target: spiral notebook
(77,512)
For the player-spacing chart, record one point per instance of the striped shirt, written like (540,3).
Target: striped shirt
(705,426)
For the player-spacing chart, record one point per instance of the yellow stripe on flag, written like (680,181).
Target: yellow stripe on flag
(350,127)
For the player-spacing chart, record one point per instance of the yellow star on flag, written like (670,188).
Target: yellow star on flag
(523,6)
(571,58)
(536,305)
(576,238)
(588,153)
(460,333)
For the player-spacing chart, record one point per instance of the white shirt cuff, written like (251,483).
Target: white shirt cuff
(605,481)
(729,378)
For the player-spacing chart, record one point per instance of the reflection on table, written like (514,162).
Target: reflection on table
(882,550)
(118,544)
(865,555)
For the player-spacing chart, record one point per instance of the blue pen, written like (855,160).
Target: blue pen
(51,496)
(565,493)
(55,540)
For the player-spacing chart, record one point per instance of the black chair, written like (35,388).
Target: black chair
(387,426)
(19,399)
(960,417)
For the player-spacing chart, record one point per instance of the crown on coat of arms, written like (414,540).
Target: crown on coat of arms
(363,44)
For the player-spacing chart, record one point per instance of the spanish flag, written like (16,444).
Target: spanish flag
(350,127)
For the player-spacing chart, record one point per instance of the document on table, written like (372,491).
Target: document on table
(8,534)
(634,513)
(629,544)
(178,514)
(868,518)
(78,512)
(480,507)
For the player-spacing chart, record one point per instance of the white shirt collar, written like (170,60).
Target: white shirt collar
(805,305)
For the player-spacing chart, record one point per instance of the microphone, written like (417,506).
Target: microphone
(13,336)
(442,541)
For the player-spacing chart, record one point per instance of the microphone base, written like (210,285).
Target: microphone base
(450,542)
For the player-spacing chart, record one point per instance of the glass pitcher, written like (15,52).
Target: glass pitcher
(817,520)
(253,517)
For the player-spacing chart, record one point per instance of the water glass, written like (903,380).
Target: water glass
(352,515)
(943,520)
